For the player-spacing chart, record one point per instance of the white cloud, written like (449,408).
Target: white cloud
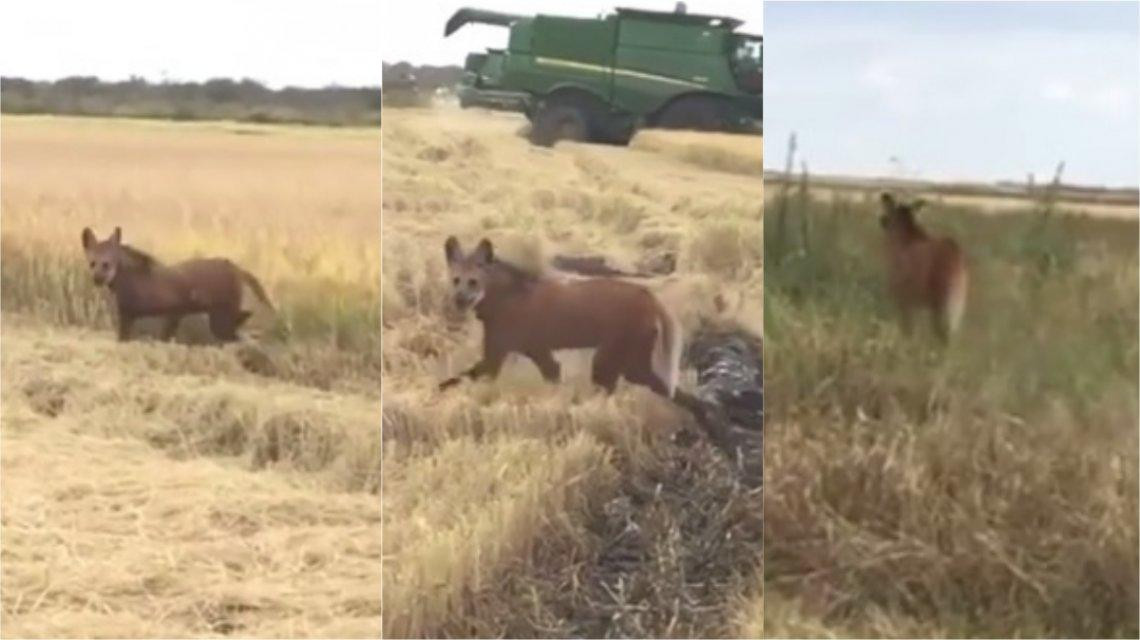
(301,42)
(948,97)
(1057,90)
(1113,100)
(880,75)
(1103,98)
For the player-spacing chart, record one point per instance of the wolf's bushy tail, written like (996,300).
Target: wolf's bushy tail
(666,358)
(255,285)
(955,304)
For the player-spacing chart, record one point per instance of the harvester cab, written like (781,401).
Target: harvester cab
(748,63)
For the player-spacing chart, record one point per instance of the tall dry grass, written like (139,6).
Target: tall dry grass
(518,508)
(294,206)
(988,489)
(167,490)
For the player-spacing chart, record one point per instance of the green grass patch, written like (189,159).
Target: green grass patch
(989,487)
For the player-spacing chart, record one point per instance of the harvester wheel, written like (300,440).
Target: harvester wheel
(703,113)
(555,122)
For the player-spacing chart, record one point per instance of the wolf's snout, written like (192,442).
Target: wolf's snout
(464,300)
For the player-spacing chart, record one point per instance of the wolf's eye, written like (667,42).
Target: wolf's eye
(91,264)
(471,283)
(455,281)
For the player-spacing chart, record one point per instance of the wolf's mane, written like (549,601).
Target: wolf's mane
(137,259)
(516,276)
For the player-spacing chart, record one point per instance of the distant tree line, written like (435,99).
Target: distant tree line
(217,99)
(427,77)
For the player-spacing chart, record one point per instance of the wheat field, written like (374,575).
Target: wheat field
(518,508)
(177,489)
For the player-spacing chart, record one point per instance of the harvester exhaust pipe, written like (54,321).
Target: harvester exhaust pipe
(466,16)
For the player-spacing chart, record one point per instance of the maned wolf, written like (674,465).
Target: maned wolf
(923,272)
(144,287)
(634,335)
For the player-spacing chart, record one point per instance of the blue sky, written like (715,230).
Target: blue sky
(955,90)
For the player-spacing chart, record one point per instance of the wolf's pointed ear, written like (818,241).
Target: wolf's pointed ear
(484,253)
(887,199)
(451,249)
(88,238)
(917,204)
(117,236)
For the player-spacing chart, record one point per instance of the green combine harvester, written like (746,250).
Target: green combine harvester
(601,79)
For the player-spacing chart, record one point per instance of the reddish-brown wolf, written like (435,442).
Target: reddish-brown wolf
(923,273)
(143,287)
(634,336)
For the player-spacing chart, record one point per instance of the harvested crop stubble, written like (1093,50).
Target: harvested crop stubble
(162,490)
(517,508)
(130,507)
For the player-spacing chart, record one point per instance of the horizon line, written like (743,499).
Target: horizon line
(171,80)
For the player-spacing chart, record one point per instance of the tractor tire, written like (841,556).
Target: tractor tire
(620,137)
(701,113)
(615,129)
(559,121)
